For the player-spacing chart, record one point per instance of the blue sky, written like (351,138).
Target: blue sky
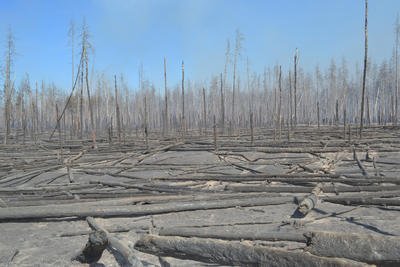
(126,33)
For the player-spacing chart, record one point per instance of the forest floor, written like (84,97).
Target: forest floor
(185,203)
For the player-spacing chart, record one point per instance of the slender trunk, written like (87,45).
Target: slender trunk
(204,111)
(59,134)
(117,111)
(365,68)
(318,114)
(295,87)
(290,100)
(337,113)
(344,123)
(146,130)
(81,108)
(396,74)
(233,94)
(368,112)
(222,107)
(36,112)
(280,102)
(275,111)
(251,129)
(165,97)
(183,100)
(93,130)
(215,134)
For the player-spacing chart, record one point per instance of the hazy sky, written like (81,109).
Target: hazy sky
(125,33)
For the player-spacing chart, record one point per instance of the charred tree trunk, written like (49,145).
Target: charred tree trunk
(365,68)
(117,110)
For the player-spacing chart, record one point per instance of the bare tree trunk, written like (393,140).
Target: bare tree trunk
(183,101)
(233,98)
(93,130)
(36,112)
(365,68)
(318,114)
(81,108)
(146,130)
(396,70)
(59,134)
(204,112)
(290,100)
(251,129)
(8,86)
(275,122)
(337,113)
(280,102)
(165,97)
(344,123)
(295,86)
(368,112)
(117,111)
(222,107)
(215,134)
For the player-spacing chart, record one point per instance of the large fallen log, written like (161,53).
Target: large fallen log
(93,249)
(307,189)
(374,249)
(363,201)
(129,258)
(221,233)
(308,203)
(58,211)
(285,178)
(232,253)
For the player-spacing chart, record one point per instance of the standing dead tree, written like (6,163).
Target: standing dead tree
(280,103)
(165,98)
(183,101)
(117,110)
(71,34)
(227,61)
(204,112)
(85,54)
(396,107)
(238,46)
(8,85)
(365,68)
(296,58)
(222,106)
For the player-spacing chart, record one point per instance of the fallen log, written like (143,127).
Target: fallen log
(42,212)
(232,253)
(129,258)
(309,203)
(363,201)
(307,189)
(220,233)
(285,178)
(374,249)
(93,249)
(362,168)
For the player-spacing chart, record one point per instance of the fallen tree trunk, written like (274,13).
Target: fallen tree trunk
(285,178)
(232,253)
(220,233)
(93,249)
(363,201)
(114,243)
(42,212)
(374,249)
(362,168)
(309,203)
(307,189)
